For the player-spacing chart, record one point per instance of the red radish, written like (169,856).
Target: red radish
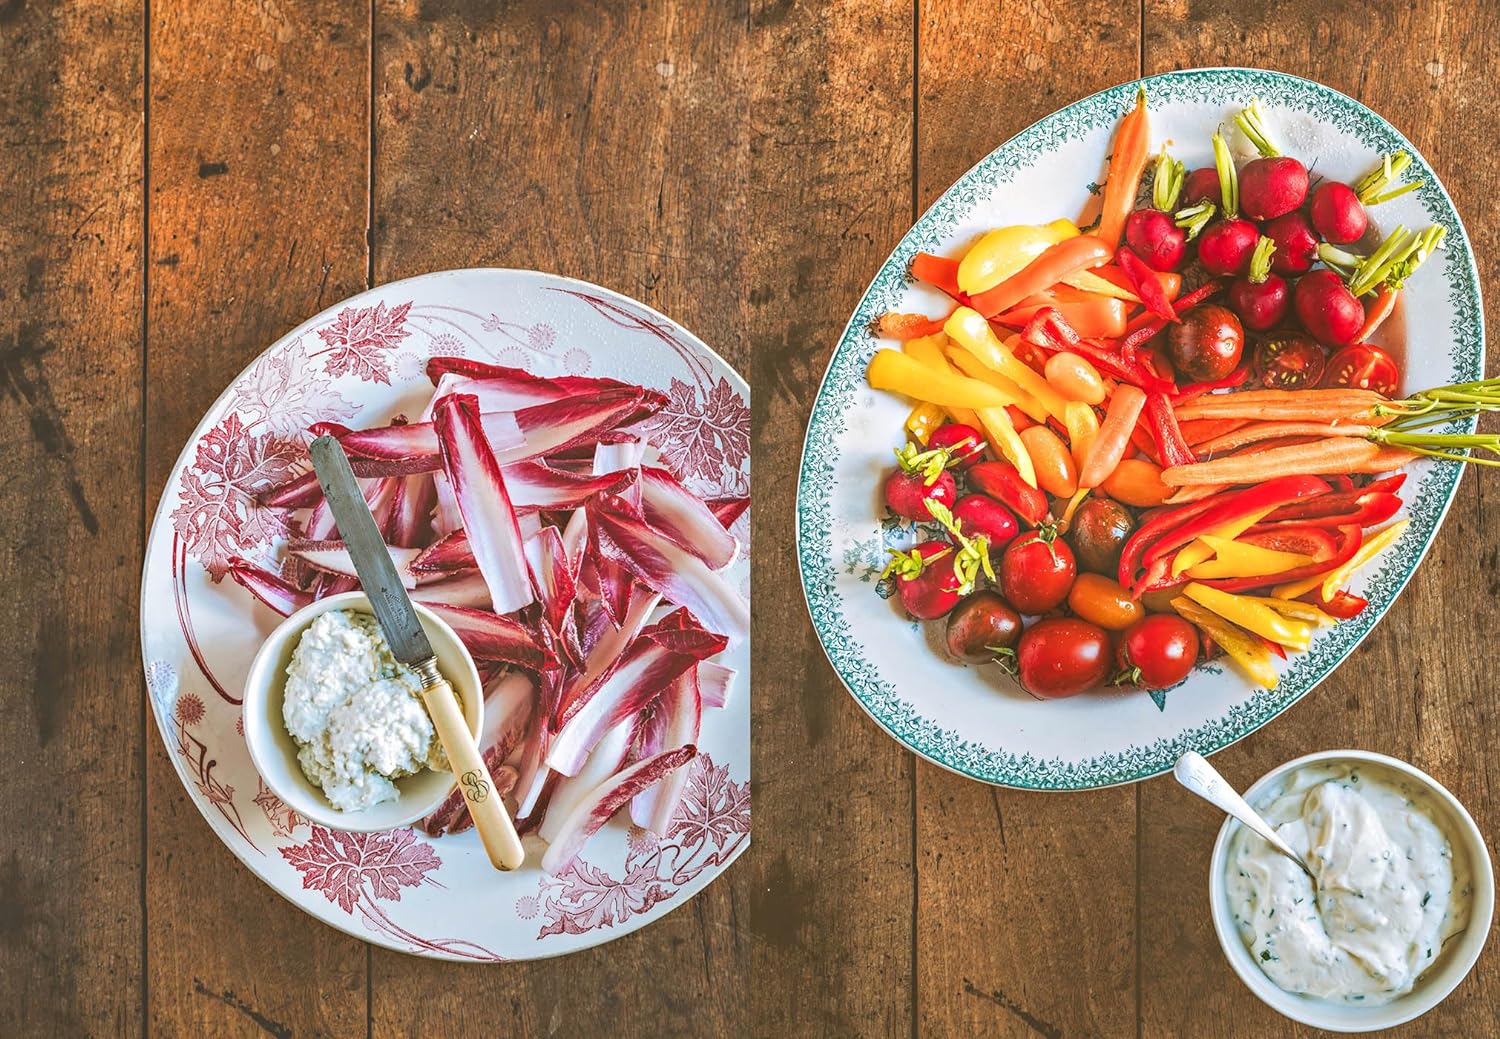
(1296,244)
(1202,185)
(964,443)
(983,515)
(1153,236)
(907,494)
(1260,298)
(1327,309)
(925,579)
(1227,245)
(1337,213)
(1272,187)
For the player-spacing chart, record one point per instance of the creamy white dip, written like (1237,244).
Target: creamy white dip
(356,712)
(1390,891)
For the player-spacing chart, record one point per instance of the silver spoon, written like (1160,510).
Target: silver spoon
(1194,772)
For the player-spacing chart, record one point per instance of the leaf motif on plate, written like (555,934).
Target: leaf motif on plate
(359,336)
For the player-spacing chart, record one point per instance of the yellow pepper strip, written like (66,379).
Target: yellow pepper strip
(974,368)
(1002,252)
(968,328)
(1297,611)
(1004,440)
(1368,551)
(1244,649)
(1235,559)
(923,420)
(1088,281)
(893,370)
(928,350)
(1195,552)
(1082,426)
(1251,615)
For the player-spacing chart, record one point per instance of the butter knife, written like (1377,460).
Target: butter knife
(408,642)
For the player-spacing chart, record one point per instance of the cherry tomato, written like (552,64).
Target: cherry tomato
(1158,651)
(1075,378)
(1055,471)
(1037,571)
(1136,481)
(1160,601)
(1062,656)
(1289,362)
(1364,367)
(1100,600)
(963,442)
(983,628)
(1098,534)
(1207,343)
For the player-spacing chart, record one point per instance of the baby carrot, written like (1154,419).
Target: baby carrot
(1127,162)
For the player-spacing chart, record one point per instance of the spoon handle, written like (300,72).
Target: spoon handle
(1194,772)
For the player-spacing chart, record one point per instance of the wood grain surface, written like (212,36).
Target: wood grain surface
(186,181)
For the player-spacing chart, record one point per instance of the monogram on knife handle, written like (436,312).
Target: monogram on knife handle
(403,630)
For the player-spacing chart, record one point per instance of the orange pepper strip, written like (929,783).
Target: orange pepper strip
(1383,305)
(1126,165)
(1059,261)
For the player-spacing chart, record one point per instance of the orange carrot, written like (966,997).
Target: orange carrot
(1066,257)
(1098,317)
(1196,431)
(1345,404)
(909,326)
(1127,162)
(1113,437)
(1323,456)
(1380,308)
(1256,432)
(1196,492)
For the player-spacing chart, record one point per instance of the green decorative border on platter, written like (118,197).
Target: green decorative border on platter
(845,376)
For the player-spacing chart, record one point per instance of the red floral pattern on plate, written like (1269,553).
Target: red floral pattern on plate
(359,336)
(702,440)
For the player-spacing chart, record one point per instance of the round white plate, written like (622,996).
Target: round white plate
(974,720)
(361,363)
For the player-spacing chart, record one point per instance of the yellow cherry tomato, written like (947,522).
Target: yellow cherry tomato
(1101,601)
(1136,482)
(1055,472)
(1075,378)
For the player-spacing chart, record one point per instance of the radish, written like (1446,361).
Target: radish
(1227,246)
(1327,309)
(1260,298)
(1152,233)
(1272,187)
(1201,185)
(925,579)
(1337,213)
(1296,244)
(918,481)
(963,442)
(1274,184)
(983,515)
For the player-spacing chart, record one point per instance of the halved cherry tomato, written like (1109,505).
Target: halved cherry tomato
(1100,600)
(1037,571)
(1158,652)
(1364,367)
(1062,656)
(1289,362)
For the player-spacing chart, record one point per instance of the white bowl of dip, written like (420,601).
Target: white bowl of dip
(1449,967)
(274,751)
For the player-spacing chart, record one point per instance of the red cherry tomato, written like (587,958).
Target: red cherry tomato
(1158,651)
(1037,572)
(1364,367)
(1289,362)
(1062,656)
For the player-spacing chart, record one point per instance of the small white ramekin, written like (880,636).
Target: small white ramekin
(274,752)
(1452,966)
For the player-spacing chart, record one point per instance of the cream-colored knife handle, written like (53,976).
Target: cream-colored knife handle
(494,824)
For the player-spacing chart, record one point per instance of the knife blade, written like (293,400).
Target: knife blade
(367,548)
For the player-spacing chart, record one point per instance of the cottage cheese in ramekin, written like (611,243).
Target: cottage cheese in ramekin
(356,712)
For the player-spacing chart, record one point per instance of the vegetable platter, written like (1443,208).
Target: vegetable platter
(1141,429)
(563,474)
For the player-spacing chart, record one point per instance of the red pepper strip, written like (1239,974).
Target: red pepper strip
(1343,605)
(1350,537)
(1140,436)
(1145,284)
(1303,539)
(1139,336)
(1047,331)
(1367,510)
(1341,483)
(1232,505)
(1154,525)
(1233,381)
(1338,502)
(940,272)
(1171,448)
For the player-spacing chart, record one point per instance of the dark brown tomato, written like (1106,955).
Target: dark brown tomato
(1101,526)
(1206,345)
(982,628)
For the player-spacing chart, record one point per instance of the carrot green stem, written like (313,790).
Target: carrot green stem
(1442,445)
(1166,184)
(1229,178)
(1252,124)
(1371,189)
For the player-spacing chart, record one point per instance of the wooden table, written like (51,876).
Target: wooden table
(182,182)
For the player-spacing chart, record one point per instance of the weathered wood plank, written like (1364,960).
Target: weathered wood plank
(607,142)
(258,178)
(1416,689)
(1026,902)
(70,369)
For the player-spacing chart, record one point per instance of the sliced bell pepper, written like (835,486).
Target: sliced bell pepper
(908,326)
(1116,288)
(1097,318)
(1199,550)
(1006,442)
(924,421)
(1239,559)
(1233,381)
(1007,251)
(928,349)
(974,368)
(1171,448)
(1343,605)
(969,329)
(1066,257)
(1050,331)
(1297,610)
(1369,550)
(1245,612)
(895,371)
(1368,510)
(940,272)
(1355,504)
(1155,524)
(1143,281)
(1148,330)
(1346,541)
(1170,281)
(1250,651)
